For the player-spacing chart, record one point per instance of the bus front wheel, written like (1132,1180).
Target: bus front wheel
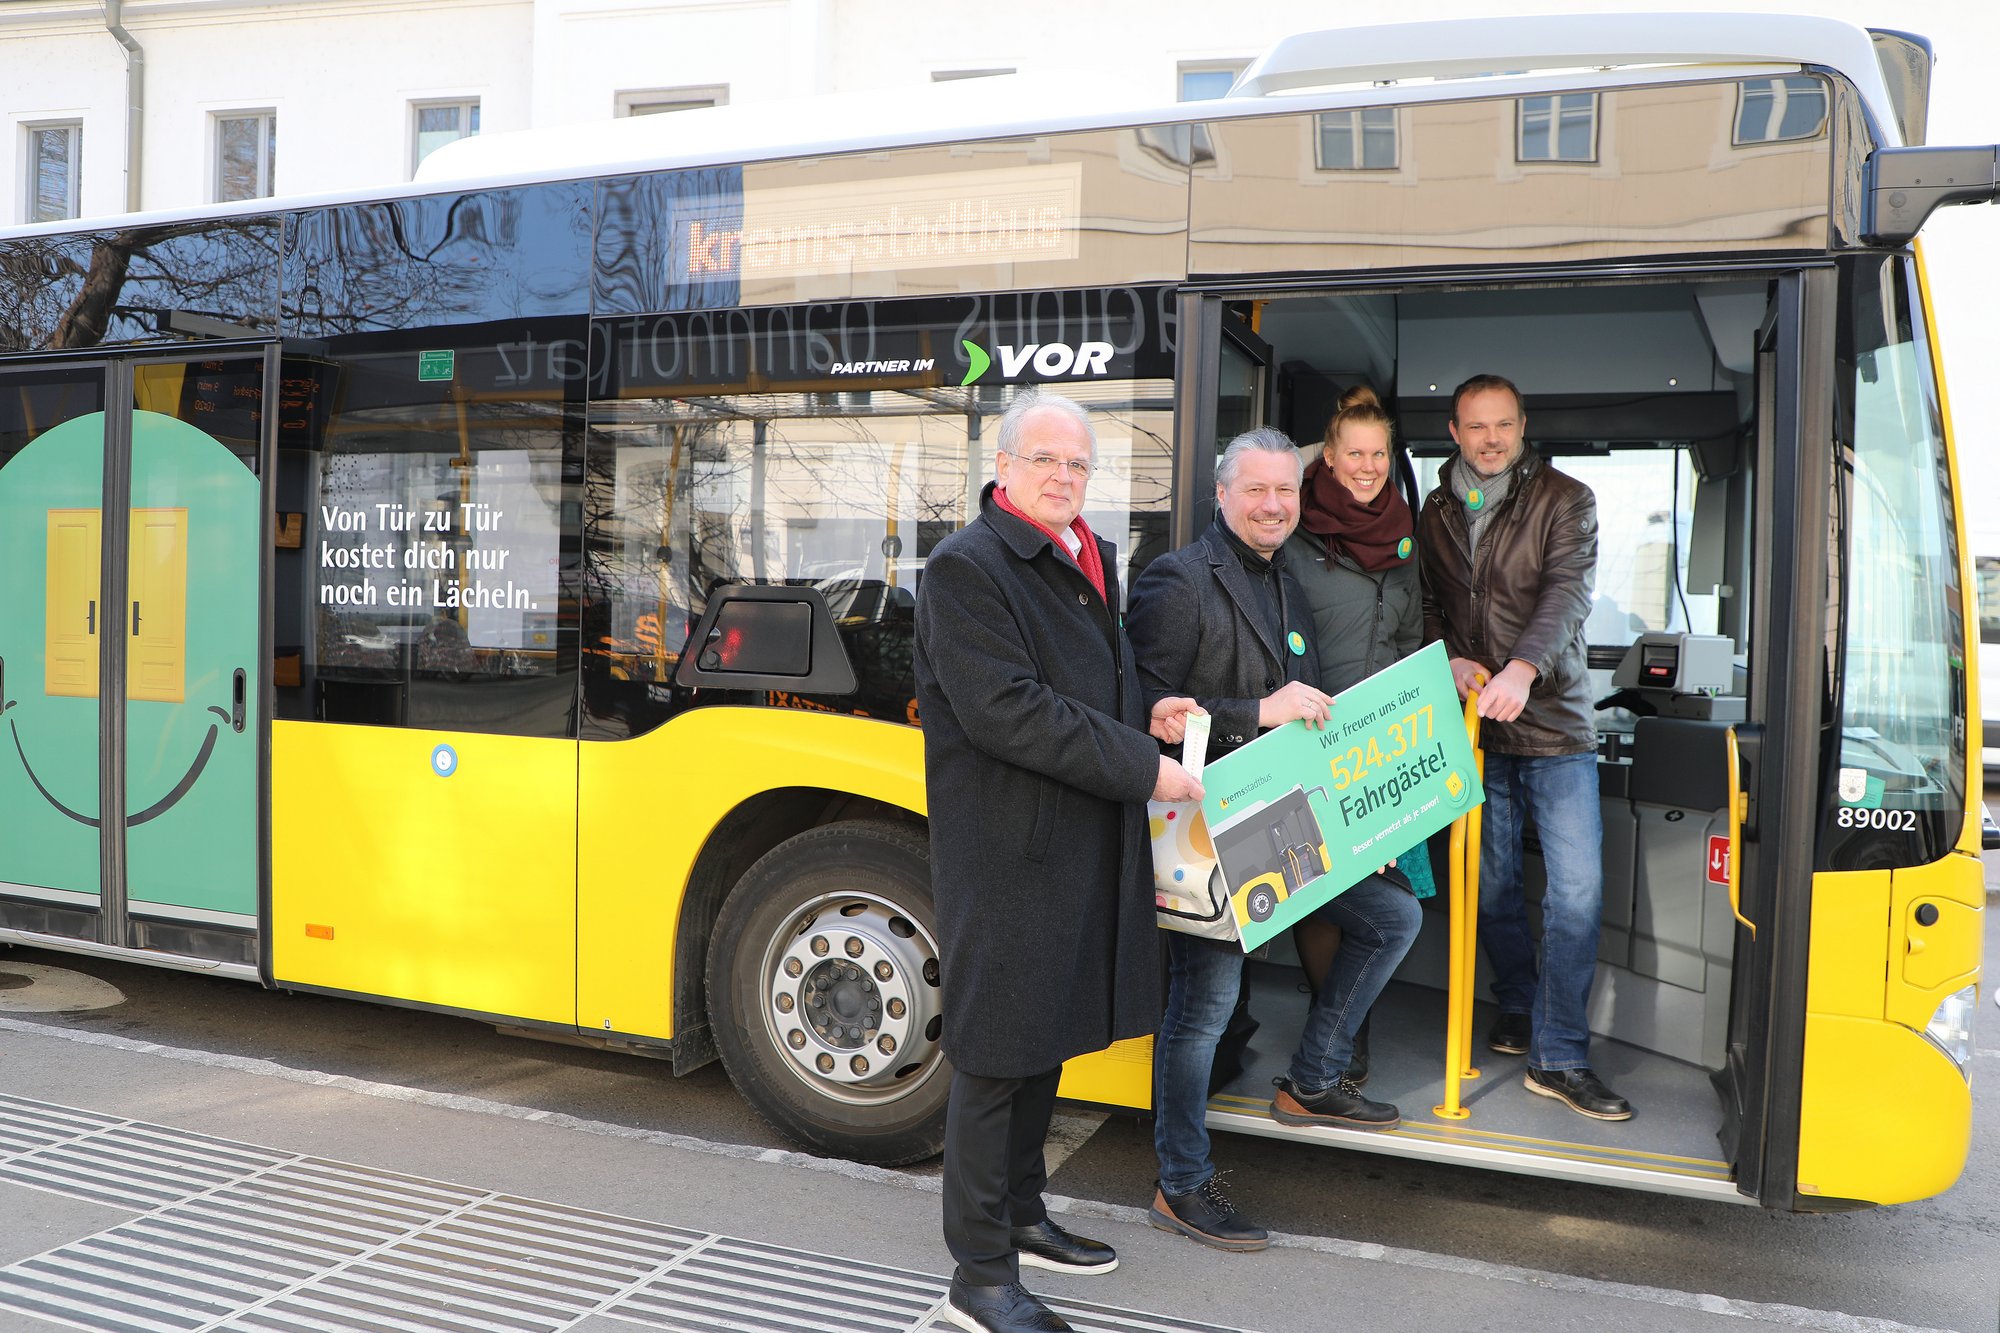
(823,992)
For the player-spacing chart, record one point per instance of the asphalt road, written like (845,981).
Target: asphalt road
(1928,1265)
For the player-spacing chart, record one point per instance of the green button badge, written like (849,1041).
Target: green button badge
(1298,643)
(1474,498)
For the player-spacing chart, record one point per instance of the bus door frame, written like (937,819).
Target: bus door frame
(1204,323)
(1786,741)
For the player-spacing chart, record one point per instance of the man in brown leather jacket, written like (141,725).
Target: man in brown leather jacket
(1509,549)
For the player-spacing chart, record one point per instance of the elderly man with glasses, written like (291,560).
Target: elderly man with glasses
(1038,763)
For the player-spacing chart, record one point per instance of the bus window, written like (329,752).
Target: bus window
(1900,797)
(430,584)
(842,474)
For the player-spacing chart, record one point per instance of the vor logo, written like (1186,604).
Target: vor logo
(1049,360)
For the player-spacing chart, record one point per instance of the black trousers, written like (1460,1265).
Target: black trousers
(994,1129)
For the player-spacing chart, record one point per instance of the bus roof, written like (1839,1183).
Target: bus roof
(1392,63)
(1389,64)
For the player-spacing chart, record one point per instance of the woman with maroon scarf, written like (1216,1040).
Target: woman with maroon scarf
(1355,552)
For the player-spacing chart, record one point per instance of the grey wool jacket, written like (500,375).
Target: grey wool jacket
(1362,622)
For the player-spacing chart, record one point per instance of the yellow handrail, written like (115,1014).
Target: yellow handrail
(1463,866)
(1475,835)
(1737,806)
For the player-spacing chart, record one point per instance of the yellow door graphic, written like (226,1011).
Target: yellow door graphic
(156,617)
(156,660)
(73,609)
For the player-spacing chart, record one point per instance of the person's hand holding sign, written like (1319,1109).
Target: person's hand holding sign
(1294,701)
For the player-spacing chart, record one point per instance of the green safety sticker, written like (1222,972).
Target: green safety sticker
(436,365)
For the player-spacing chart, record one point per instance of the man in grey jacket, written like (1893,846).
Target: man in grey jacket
(1509,555)
(1222,620)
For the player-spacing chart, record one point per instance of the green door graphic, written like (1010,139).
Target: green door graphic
(51,615)
(178,625)
(190,628)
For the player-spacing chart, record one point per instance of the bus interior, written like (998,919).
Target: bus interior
(1650,392)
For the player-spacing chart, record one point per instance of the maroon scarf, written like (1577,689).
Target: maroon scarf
(1371,534)
(1087,558)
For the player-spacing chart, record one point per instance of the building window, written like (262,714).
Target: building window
(435,124)
(1206,80)
(955,75)
(246,155)
(1561,127)
(1364,139)
(55,171)
(1775,110)
(658,101)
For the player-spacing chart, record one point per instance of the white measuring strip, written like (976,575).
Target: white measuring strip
(1786,1316)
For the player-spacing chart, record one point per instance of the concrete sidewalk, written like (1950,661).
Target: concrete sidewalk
(143,1188)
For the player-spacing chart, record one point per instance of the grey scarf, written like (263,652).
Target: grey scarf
(1492,492)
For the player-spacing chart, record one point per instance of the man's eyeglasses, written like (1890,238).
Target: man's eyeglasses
(1041,465)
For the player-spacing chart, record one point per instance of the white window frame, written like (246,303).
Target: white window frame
(1233,68)
(1781,87)
(468,105)
(267,166)
(1555,117)
(1356,136)
(667,100)
(29,193)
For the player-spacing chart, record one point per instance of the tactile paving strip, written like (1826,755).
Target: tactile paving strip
(236,1237)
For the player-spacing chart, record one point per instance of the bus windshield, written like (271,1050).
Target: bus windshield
(1902,710)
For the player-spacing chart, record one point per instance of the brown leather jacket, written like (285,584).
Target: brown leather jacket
(1527,598)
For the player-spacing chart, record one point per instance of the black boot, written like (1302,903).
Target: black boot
(1011,1308)
(1341,1105)
(1205,1214)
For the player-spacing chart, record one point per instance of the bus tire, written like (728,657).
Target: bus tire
(823,992)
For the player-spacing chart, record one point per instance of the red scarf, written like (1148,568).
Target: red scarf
(1371,534)
(1087,557)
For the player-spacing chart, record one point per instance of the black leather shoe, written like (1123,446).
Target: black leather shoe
(1357,1064)
(1046,1245)
(1509,1034)
(1007,1309)
(1583,1090)
(1205,1214)
(1342,1105)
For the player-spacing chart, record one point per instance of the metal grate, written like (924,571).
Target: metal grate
(236,1237)
(742,1285)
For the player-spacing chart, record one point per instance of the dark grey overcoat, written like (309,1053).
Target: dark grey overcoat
(1038,767)
(1197,630)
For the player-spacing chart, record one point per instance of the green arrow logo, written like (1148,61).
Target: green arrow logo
(979,358)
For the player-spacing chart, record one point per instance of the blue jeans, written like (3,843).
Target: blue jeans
(1378,922)
(1560,792)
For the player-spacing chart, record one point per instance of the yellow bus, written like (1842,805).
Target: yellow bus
(506,603)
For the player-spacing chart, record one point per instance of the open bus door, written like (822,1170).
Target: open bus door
(132,766)
(1695,1014)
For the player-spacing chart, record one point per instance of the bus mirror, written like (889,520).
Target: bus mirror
(1906,185)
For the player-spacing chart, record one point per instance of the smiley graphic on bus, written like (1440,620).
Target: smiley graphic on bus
(187,632)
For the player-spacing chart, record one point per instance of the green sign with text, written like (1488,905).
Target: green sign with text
(1300,815)
(436,365)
